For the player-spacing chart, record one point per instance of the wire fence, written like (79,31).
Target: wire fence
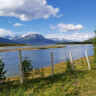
(40,60)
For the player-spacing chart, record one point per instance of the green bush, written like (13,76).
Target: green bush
(69,66)
(27,67)
(94,43)
(2,72)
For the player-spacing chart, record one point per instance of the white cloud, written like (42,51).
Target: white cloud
(67,27)
(52,27)
(74,37)
(27,9)
(5,32)
(18,24)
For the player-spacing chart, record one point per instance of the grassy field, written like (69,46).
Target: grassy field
(80,83)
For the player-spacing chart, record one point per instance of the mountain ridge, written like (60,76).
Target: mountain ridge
(35,38)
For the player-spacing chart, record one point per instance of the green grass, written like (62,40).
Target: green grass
(80,83)
(8,45)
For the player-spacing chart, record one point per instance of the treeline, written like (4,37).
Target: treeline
(13,44)
(75,43)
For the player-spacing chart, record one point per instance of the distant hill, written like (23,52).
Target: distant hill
(4,40)
(59,40)
(89,40)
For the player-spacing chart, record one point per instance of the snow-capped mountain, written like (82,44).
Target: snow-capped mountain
(5,40)
(60,39)
(31,38)
(7,37)
(16,37)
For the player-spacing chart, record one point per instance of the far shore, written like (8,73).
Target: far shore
(18,46)
(33,48)
(74,44)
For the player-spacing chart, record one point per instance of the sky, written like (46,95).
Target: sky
(63,19)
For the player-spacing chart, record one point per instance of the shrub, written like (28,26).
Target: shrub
(94,43)
(39,72)
(27,67)
(82,62)
(69,66)
(2,72)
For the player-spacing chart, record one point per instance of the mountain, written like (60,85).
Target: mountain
(58,40)
(7,37)
(33,38)
(89,40)
(4,40)
(15,37)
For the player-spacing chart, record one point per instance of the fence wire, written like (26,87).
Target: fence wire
(40,59)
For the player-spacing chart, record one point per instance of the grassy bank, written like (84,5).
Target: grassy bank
(81,83)
(11,45)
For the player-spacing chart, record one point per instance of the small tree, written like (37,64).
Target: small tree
(27,67)
(69,66)
(94,43)
(2,72)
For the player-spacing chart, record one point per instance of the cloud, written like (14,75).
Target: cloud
(27,10)
(53,27)
(74,37)
(67,27)
(5,32)
(18,24)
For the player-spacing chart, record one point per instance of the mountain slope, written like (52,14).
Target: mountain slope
(4,40)
(59,40)
(89,40)
(33,39)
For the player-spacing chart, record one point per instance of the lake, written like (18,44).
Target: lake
(41,58)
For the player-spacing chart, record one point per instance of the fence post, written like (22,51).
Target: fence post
(21,70)
(87,60)
(71,61)
(52,64)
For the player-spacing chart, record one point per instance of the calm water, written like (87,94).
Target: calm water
(41,58)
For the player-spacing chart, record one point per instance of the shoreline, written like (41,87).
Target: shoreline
(42,47)
(47,69)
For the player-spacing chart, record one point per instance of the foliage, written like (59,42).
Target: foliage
(39,72)
(94,43)
(27,67)
(69,66)
(2,72)
(12,44)
(85,42)
(82,62)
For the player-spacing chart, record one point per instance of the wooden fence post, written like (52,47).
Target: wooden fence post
(71,61)
(21,70)
(52,64)
(87,60)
